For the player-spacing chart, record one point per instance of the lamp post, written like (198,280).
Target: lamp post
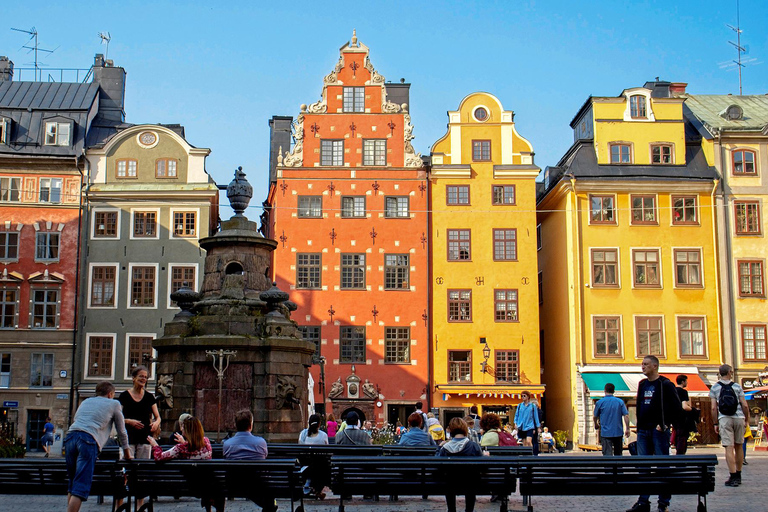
(219,356)
(484,366)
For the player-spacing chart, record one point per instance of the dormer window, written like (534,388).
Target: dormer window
(57,134)
(354,99)
(5,130)
(50,190)
(637,107)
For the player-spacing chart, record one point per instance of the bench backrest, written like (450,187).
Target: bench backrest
(49,477)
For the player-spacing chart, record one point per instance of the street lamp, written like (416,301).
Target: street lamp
(484,366)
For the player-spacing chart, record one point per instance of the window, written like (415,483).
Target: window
(9,245)
(459,305)
(538,237)
(45,309)
(375,152)
(354,99)
(127,168)
(396,207)
(50,190)
(688,268)
(457,194)
(310,207)
(139,352)
(353,271)
(684,210)
(481,150)
(165,168)
(541,286)
(646,268)
(505,305)
(753,341)
(145,224)
(460,366)
(747,215)
(184,224)
(312,333)
(605,267)
(621,153)
(607,335)
(41,370)
(57,134)
(47,246)
(751,279)
(507,366)
(691,333)
(643,209)
(143,287)
(332,152)
(8,300)
(459,244)
(308,270)
(397,345)
(744,162)
(10,190)
(182,277)
(503,194)
(353,207)
(504,244)
(105,224)
(5,130)
(397,272)
(103,282)
(5,370)
(661,154)
(99,356)
(649,336)
(352,345)
(602,210)
(637,107)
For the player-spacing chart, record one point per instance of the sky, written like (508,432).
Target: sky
(223,69)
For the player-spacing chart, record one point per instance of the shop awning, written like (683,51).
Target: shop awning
(761,392)
(626,383)
(597,381)
(500,391)
(695,384)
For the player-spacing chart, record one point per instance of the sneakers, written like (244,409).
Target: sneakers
(663,508)
(640,507)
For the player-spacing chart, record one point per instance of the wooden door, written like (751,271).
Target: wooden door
(236,395)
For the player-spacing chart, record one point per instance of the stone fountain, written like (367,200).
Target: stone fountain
(233,345)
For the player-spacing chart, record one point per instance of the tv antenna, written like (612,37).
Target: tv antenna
(36,48)
(739,63)
(105,39)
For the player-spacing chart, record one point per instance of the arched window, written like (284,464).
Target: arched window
(744,162)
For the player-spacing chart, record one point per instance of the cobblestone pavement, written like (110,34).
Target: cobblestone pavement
(747,498)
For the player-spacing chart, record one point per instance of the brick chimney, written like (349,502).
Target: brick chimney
(111,82)
(676,88)
(6,69)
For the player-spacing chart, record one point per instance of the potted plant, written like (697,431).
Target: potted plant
(561,439)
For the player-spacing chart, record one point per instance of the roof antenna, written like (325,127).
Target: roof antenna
(36,48)
(105,39)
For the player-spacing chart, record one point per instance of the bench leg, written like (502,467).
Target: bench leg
(702,504)
(504,505)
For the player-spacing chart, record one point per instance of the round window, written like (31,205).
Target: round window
(148,139)
(481,114)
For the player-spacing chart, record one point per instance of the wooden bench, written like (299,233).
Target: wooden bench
(614,476)
(417,476)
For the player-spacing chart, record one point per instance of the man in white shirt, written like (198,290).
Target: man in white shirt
(730,407)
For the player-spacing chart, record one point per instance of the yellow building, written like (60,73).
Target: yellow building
(628,259)
(485,327)
(734,137)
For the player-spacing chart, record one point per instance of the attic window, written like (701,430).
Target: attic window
(733,113)
(637,107)
(57,134)
(5,129)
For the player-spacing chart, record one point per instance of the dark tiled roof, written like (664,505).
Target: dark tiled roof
(47,95)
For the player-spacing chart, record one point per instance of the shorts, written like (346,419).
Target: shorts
(731,430)
(526,433)
(139,451)
(47,439)
(81,452)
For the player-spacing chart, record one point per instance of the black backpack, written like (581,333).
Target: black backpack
(728,403)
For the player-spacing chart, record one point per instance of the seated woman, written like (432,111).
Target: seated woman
(547,439)
(459,446)
(490,424)
(313,435)
(192,444)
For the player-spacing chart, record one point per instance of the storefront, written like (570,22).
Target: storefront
(502,400)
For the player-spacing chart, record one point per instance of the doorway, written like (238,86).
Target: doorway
(449,414)
(36,419)
(399,412)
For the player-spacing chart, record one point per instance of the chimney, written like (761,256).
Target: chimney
(6,69)
(399,93)
(111,82)
(279,137)
(677,88)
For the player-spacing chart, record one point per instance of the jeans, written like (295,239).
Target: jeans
(81,452)
(450,502)
(653,442)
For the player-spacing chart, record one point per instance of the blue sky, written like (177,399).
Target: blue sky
(222,69)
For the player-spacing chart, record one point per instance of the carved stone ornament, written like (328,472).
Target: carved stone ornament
(296,157)
(369,390)
(390,108)
(376,78)
(412,159)
(287,392)
(239,192)
(332,78)
(318,107)
(163,391)
(337,389)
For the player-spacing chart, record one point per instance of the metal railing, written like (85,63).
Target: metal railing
(52,74)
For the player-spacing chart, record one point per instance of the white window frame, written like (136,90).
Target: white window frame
(17,289)
(5,377)
(117,224)
(170,280)
(127,353)
(50,187)
(678,348)
(116,266)
(10,188)
(54,133)
(5,130)
(157,220)
(130,285)
(171,230)
(36,288)
(87,363)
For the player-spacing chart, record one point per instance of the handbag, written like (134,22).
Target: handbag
(632,447)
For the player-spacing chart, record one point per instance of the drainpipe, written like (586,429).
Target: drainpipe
(717,265)
(730,356)
(430,332)
(76,331)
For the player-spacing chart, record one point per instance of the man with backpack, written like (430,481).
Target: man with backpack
(729,406)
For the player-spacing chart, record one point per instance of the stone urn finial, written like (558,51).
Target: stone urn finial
(239,193)
(274,297)
(185,298)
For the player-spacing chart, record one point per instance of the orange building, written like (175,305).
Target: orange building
(348,205)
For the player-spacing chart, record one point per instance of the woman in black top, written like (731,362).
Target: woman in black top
(141,415)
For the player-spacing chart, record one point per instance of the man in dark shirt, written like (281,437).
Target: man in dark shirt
(353,434)
(682,428)
(658,407)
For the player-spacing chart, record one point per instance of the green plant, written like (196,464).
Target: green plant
(561,438)
(12,448)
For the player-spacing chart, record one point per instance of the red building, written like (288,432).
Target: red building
(348,206)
